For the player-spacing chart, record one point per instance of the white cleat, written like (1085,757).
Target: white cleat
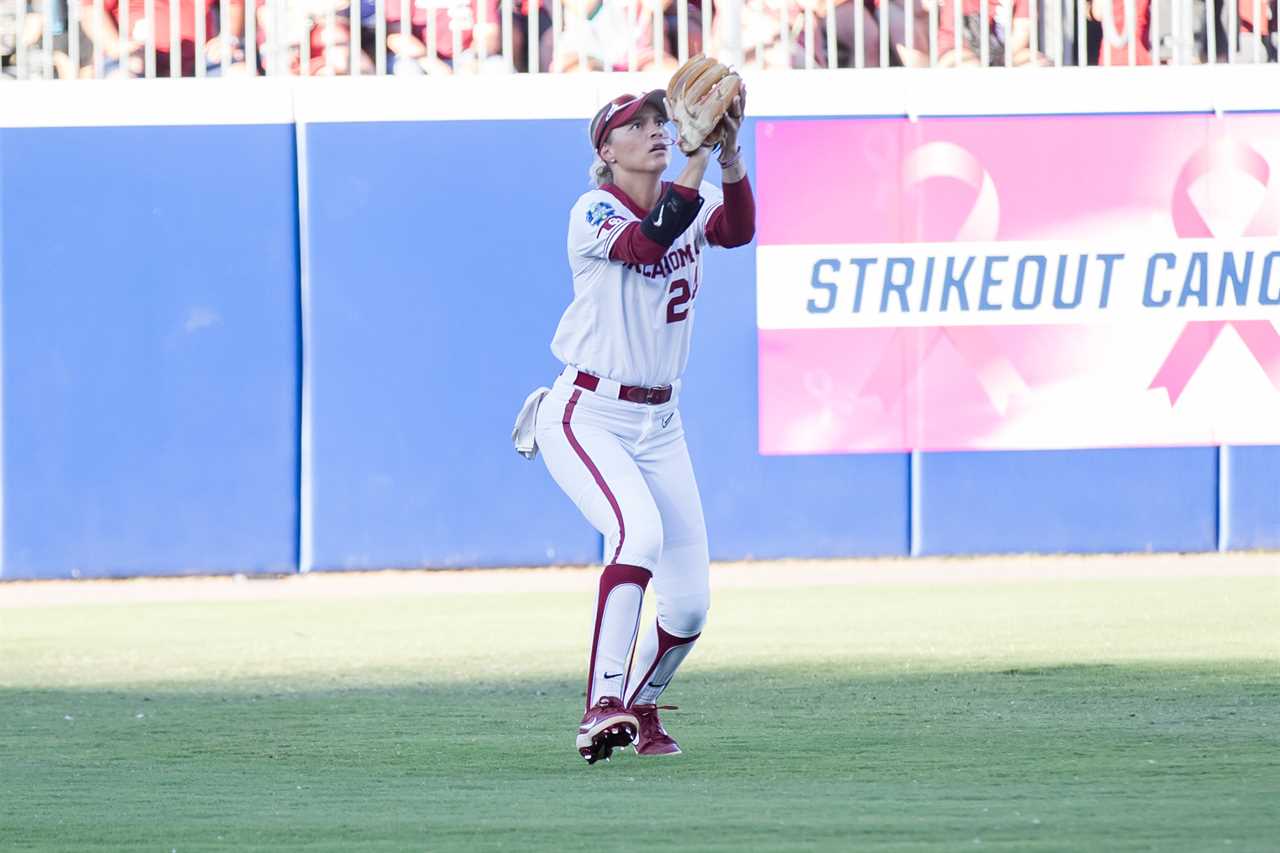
(605,726)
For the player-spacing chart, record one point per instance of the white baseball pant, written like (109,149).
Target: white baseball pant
(626,467)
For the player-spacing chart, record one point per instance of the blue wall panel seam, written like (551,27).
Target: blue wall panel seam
(915,514)
(1224,499)
(306,515)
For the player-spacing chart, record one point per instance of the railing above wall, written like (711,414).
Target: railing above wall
(68,39)
(910,93)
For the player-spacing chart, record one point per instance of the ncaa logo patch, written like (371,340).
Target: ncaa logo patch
(599,212)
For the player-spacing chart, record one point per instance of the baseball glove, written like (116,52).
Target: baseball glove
(699,94)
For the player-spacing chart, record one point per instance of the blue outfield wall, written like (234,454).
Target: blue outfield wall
(155,421)
(150,340)
(1250,490)
(433,282)
(1148,499)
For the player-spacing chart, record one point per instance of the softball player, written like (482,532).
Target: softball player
(610,430)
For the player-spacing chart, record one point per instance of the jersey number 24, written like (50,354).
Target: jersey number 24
(677,308)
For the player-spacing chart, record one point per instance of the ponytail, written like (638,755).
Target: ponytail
(600,173)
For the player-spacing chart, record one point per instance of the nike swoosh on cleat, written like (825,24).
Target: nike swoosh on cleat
(614,675)
(663,684)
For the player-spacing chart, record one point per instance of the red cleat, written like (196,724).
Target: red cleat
(653,739)
(606,726)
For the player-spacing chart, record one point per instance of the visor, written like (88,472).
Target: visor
(620,110)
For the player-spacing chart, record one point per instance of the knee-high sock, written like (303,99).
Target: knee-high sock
(657,658)
(617,623)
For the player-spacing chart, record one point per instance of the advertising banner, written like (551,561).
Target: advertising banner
(1021,282)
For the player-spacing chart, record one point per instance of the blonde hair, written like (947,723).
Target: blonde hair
(601,173)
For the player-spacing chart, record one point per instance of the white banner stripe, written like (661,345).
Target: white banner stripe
(847,286)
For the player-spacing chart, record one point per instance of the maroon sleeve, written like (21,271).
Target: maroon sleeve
(633,246)
(734,223)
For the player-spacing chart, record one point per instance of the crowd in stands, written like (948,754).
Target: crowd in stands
(134,38)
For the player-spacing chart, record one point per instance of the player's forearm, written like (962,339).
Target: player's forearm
(734,224)
(647,241)
(633,246)
(691,176)
(734,172)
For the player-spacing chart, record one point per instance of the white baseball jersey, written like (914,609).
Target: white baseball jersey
(628,322)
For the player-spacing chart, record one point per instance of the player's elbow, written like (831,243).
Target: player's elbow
(649,252)
(741,235)
(633,246)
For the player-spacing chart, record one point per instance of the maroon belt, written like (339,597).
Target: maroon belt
(630,393)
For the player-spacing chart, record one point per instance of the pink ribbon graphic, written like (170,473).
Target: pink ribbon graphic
(1197,337)
(948,160)
(1224,153)
(979,349)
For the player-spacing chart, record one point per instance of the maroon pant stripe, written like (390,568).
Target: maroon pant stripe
(595,472)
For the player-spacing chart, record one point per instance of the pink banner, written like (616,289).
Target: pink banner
(1018,282)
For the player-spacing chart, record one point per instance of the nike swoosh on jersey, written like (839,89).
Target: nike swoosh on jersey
(657,220)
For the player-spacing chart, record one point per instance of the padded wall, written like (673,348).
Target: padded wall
(1150,499)
(150,341)
(436,277)
(1251,498)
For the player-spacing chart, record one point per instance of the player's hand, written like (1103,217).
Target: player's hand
(702,156)
(729,140)
(732,122)
(738,108)
(730,125)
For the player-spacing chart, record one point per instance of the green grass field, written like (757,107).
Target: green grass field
(1139,714)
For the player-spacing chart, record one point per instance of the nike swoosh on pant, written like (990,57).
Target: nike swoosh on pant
(614,675)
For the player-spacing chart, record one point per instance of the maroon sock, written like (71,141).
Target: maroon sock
(657,658)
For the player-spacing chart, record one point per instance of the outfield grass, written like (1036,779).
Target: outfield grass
(1036,715)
